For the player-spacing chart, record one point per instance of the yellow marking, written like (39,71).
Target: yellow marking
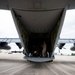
(52,62)
(27,61)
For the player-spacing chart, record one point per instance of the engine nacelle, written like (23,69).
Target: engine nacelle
(4,45)
(19,45)
(73,47)
(60,45)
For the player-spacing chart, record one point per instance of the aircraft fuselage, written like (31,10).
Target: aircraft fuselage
(38,23)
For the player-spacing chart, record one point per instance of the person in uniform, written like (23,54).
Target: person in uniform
(44,50)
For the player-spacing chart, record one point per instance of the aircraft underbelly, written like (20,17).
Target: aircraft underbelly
(34,30)
(38,25)
(39,21)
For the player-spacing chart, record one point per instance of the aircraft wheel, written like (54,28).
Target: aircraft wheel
(24,52)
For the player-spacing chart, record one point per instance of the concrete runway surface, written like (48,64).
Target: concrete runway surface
(14,64)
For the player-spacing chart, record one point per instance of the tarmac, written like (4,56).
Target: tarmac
(14,64)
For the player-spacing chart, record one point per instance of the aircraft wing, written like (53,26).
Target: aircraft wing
(4,43)
(17,40)
(5,4)
(10,40)
(66,41)
(62,42)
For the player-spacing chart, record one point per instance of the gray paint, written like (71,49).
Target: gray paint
(39,22)
(37,4)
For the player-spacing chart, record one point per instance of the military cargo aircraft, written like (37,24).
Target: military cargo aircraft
(39,23)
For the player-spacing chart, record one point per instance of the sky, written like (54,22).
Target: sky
(68,29)
(7,26)
(8,30)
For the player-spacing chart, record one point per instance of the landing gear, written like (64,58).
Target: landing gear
(52,58)
(51,61)
(24,52)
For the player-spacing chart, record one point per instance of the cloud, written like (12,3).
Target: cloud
(68,29)
(7,26)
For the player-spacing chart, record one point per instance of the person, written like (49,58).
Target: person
(30,54)
(44,50)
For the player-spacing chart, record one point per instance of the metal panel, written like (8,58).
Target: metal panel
(37,4)
(4,4)
(38,59)
(42,21)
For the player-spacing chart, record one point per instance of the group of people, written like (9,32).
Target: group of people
(40,52)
